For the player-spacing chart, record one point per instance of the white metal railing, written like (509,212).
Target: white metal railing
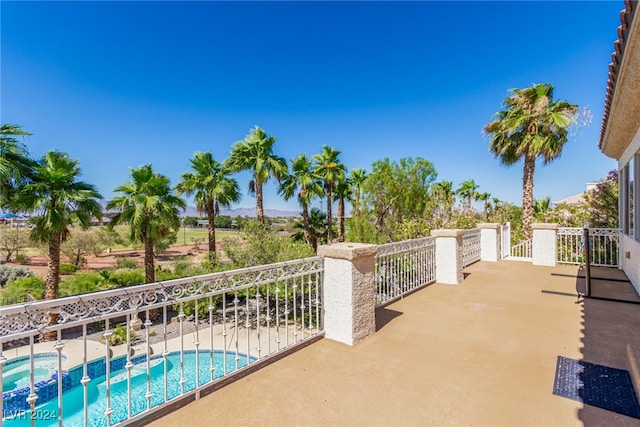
(505,240)
(207,327)
(604,245)
(402,267)
(522,251)
(470,247)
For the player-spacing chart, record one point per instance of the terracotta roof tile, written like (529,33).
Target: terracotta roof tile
(626,15)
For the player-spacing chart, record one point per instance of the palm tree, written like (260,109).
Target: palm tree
(532,125)
(540,208)
(212,187)
(357,177)
(304,182)
(444,195)
(467,190)
(328,166)
(148,205)
(317,226)
(15,163)
(58,200)
(343,191)
(255,153)
(485,198)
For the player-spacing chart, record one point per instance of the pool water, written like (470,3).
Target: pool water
(73,399)
(15,374)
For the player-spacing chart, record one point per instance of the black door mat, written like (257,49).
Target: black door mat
(597,385)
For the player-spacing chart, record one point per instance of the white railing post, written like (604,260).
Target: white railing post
(489,241)
(349,291)
(449,263)
(544,244)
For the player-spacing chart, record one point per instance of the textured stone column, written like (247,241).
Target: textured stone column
(448,256)
(349,291)
(489,241)
(544,246)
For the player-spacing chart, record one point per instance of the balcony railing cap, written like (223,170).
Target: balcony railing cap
(446,232)
(347,250)
(544,226)
(489,225)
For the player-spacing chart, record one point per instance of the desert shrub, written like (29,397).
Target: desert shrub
(9,274)
(82,283)
(119,335)
(203,307)
(127,277)
(18,290)
(22,259)
(66,268)
(126,262)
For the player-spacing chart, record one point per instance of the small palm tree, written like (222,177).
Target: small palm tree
(304,182)
(328,166)
(357,177)
(343,192)
(255,154)
(147,204)
(57,200)
(212,187)
(532,125)
(540,208)
(467,191)
(484,197)
(317,226)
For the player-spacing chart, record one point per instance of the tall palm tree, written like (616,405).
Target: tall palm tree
(15,162)
(342,192)
(442,192)
(467,191)
(357,177)
(328,166)
(255,154)
(304,182)
(532,125)
(57,200)
(212,187)
(484,197)
(147,204)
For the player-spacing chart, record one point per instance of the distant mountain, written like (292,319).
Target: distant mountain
(248,212)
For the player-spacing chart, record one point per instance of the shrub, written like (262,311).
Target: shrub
(18,290)
(66,269)
(9,274)
(82,283)
(119,335)
(126,262)
(127,277)
(22,259)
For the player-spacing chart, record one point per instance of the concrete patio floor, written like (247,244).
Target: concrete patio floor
(481,353)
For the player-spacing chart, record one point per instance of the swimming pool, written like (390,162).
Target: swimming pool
(73,398)
(15,373)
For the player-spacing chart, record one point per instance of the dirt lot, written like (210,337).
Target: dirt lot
(38,264)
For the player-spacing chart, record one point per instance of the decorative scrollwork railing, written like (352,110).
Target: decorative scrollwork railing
(402,267)
(470,247)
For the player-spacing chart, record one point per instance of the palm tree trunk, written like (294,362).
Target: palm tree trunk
(53,268)
(341,219)
(259,206)
(527,194)
(211,228)
(52,283)
(486,209)
(149,264)
(329,221)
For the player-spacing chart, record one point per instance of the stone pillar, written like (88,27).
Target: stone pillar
(544,246)
(489,241)
(448,256)
(349,291)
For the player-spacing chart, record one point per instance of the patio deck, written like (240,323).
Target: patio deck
(481,353)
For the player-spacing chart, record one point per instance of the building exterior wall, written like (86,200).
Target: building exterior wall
(631,264)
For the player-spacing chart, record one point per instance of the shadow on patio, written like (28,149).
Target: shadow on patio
(481,353)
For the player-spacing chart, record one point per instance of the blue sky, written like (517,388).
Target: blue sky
(120,84)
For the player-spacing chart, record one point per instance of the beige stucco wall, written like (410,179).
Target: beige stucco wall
(631,265)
